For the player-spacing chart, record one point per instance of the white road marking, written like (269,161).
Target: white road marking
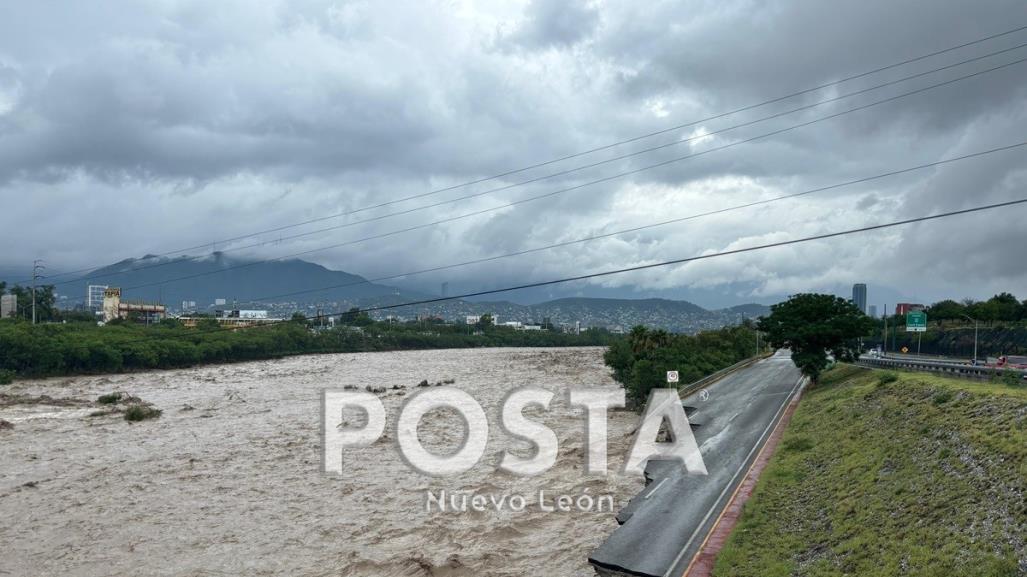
(658,485)
(727,487)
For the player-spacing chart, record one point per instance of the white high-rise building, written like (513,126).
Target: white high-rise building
(94,296)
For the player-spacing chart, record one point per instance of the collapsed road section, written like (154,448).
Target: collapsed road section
(663,527)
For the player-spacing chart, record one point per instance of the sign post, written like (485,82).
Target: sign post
(916,322)
(672,378)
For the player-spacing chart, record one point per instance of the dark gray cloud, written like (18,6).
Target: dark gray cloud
(141,127)
(555,23)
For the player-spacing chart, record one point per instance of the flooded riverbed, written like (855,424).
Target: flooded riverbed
(227,481)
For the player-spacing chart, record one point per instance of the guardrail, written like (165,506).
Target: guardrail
(949,368)
(714,377)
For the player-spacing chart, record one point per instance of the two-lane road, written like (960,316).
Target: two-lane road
(665,525)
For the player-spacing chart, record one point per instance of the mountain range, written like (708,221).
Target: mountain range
(285,286)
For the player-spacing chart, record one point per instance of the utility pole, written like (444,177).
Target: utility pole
(884,345)
(975,337)
(37,265)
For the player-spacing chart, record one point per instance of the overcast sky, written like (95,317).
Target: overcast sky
(149,126)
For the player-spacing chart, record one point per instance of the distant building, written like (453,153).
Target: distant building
(859,297)
(903,308)
(241,314)
(113,308)
(475,319)
(94,297)
(220,302)
(873,311)
(8,306)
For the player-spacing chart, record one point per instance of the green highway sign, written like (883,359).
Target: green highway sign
(916,322)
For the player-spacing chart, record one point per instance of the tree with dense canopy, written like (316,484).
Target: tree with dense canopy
(814,326)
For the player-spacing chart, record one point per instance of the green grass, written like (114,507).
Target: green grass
(912,475)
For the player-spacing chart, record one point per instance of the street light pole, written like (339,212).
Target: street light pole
(975,336)
(884,345)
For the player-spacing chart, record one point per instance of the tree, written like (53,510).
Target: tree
(485,322)
(355,317)
(946,310)
(1002,307)
(45,302)
(813,326)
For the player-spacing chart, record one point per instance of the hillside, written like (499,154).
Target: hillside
(677,316)
(921,476)
(286,286)
(958,341)
(234,279)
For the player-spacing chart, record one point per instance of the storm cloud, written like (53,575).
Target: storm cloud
(145,127)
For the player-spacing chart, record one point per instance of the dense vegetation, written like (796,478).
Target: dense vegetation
(1001,323)
(80,347)
(45,299)
(958,341)
(883,474)
(813,325)
(641,361)
(1001,307)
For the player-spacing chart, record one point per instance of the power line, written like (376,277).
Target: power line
(563,190)
(596,149)
(699,257)
(634,268)
(587,166)
(649,226)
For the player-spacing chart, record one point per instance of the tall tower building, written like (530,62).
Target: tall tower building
(859,296)
(94,297)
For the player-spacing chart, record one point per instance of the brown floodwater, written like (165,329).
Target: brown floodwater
(228,480)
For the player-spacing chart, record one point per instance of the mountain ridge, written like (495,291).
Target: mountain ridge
(289,285)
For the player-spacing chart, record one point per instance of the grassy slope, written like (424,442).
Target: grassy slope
(921,476)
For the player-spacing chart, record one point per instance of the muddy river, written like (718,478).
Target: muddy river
(228,480)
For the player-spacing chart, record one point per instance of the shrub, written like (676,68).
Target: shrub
(6,377)
(887,377)
(109,399)
(1012,378)
(141,413)
(942,397)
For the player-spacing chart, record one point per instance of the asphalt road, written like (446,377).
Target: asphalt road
(664,526)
